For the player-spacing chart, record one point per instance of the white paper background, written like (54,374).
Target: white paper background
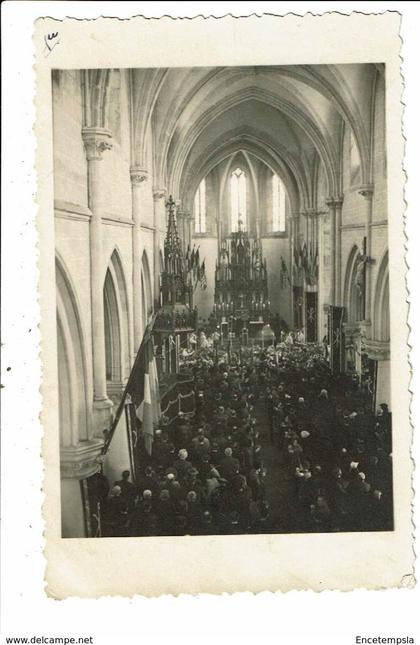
(296,617)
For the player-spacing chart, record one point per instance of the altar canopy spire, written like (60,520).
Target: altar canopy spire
(174,287)
(241,288)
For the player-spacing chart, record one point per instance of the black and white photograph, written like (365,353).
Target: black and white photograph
(223,324)
(209,323)
(223,338)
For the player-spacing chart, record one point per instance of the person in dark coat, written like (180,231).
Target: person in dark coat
(165,513)
(229,466)
(181,465)
(114,516)
(208,525)
(129,491)
(143,521)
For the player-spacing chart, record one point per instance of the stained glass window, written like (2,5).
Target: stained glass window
(279,206)
(238,199)
(200,208)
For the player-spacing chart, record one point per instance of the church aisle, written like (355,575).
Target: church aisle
(278,484)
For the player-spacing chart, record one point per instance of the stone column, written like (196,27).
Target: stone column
(188,227)
(96,141)
(219,232)
(378,350)
(290,225)
(294,239)
(77,463)
(138,182)
(335,207)
(184,227)
(331,214)
(367,193)
(181,227)
(181,224)
(158,237)
(338,254)
(317,224)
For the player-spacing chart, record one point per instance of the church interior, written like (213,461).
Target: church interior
(222,294)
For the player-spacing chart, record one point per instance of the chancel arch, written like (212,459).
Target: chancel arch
(303,133)
(264,92)
(252,147)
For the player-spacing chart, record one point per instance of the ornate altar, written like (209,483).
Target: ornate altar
(176,318)
(241,291)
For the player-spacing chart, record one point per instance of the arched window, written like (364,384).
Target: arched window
(238,199)
(355,166)
(112,331)
(116,322)
(278,220)
(200,208)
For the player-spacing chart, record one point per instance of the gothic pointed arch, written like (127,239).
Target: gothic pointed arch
(239,170)
(381,312)
(95,95)
(116,321)
(312,133)
(74,418)
(251,143)
(352,296)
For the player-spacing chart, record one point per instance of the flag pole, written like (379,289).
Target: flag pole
(120,408)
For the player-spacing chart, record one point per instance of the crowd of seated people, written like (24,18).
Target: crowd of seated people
(337,451)
(206,475)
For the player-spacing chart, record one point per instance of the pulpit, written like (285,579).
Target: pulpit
(176,318)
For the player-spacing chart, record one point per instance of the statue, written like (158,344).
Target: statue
(361,261)
(193,340)
(204,344)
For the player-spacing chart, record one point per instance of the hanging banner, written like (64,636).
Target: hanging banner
(298,307)
(179,398)
(369,378)
(143,389)
(336,338)
(311,302)
(94,491)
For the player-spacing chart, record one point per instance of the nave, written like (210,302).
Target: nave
(276,445)
(249,205)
